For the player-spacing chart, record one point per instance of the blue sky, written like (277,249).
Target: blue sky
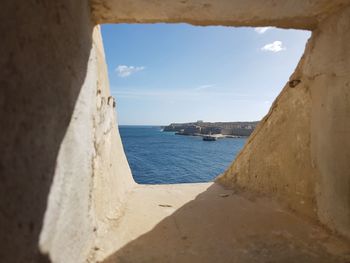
(163,73)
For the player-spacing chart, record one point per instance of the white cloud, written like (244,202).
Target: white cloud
(125,71)
(206,86)
(275,46)
(262,30)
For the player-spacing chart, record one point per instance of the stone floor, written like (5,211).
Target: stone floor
(206,223)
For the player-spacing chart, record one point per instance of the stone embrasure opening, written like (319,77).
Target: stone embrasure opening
(67,190)
(163,79)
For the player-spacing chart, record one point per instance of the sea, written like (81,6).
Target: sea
(157,157)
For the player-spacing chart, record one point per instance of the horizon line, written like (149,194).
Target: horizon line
(120,124)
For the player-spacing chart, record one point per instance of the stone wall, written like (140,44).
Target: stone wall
(45,49)
(60,148)
(301,150)
(92,175)
(294,154)
(328,71)
(298,14)
(61,151)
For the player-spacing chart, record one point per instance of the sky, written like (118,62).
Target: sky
(164,73)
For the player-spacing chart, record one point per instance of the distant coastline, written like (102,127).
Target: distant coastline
(139,126)
(218,129)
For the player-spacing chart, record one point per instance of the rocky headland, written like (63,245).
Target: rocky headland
(199,128)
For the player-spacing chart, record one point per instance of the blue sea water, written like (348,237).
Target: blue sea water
(157,157)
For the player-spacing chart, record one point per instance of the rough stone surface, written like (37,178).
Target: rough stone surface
(112,175)
(328,70)
(277,160)
(287,13)
(44,56)
(205,223)
(301,150)
(92,174)
(61,150)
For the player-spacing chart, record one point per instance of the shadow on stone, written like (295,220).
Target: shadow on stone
(43,64)
(234,228)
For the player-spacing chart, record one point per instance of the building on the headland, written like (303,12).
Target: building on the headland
(211,130)
(224,128)
(192,129)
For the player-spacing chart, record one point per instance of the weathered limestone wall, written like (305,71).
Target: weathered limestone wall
(112,175)
(61,151)
(276,159)
(298,14)
(301,150)
(45,48)
(60,148)
(92,175)
(328,70)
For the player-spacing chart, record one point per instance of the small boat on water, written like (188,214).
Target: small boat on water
(209,138)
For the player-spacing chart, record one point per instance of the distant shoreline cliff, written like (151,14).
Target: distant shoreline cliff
(203,128)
